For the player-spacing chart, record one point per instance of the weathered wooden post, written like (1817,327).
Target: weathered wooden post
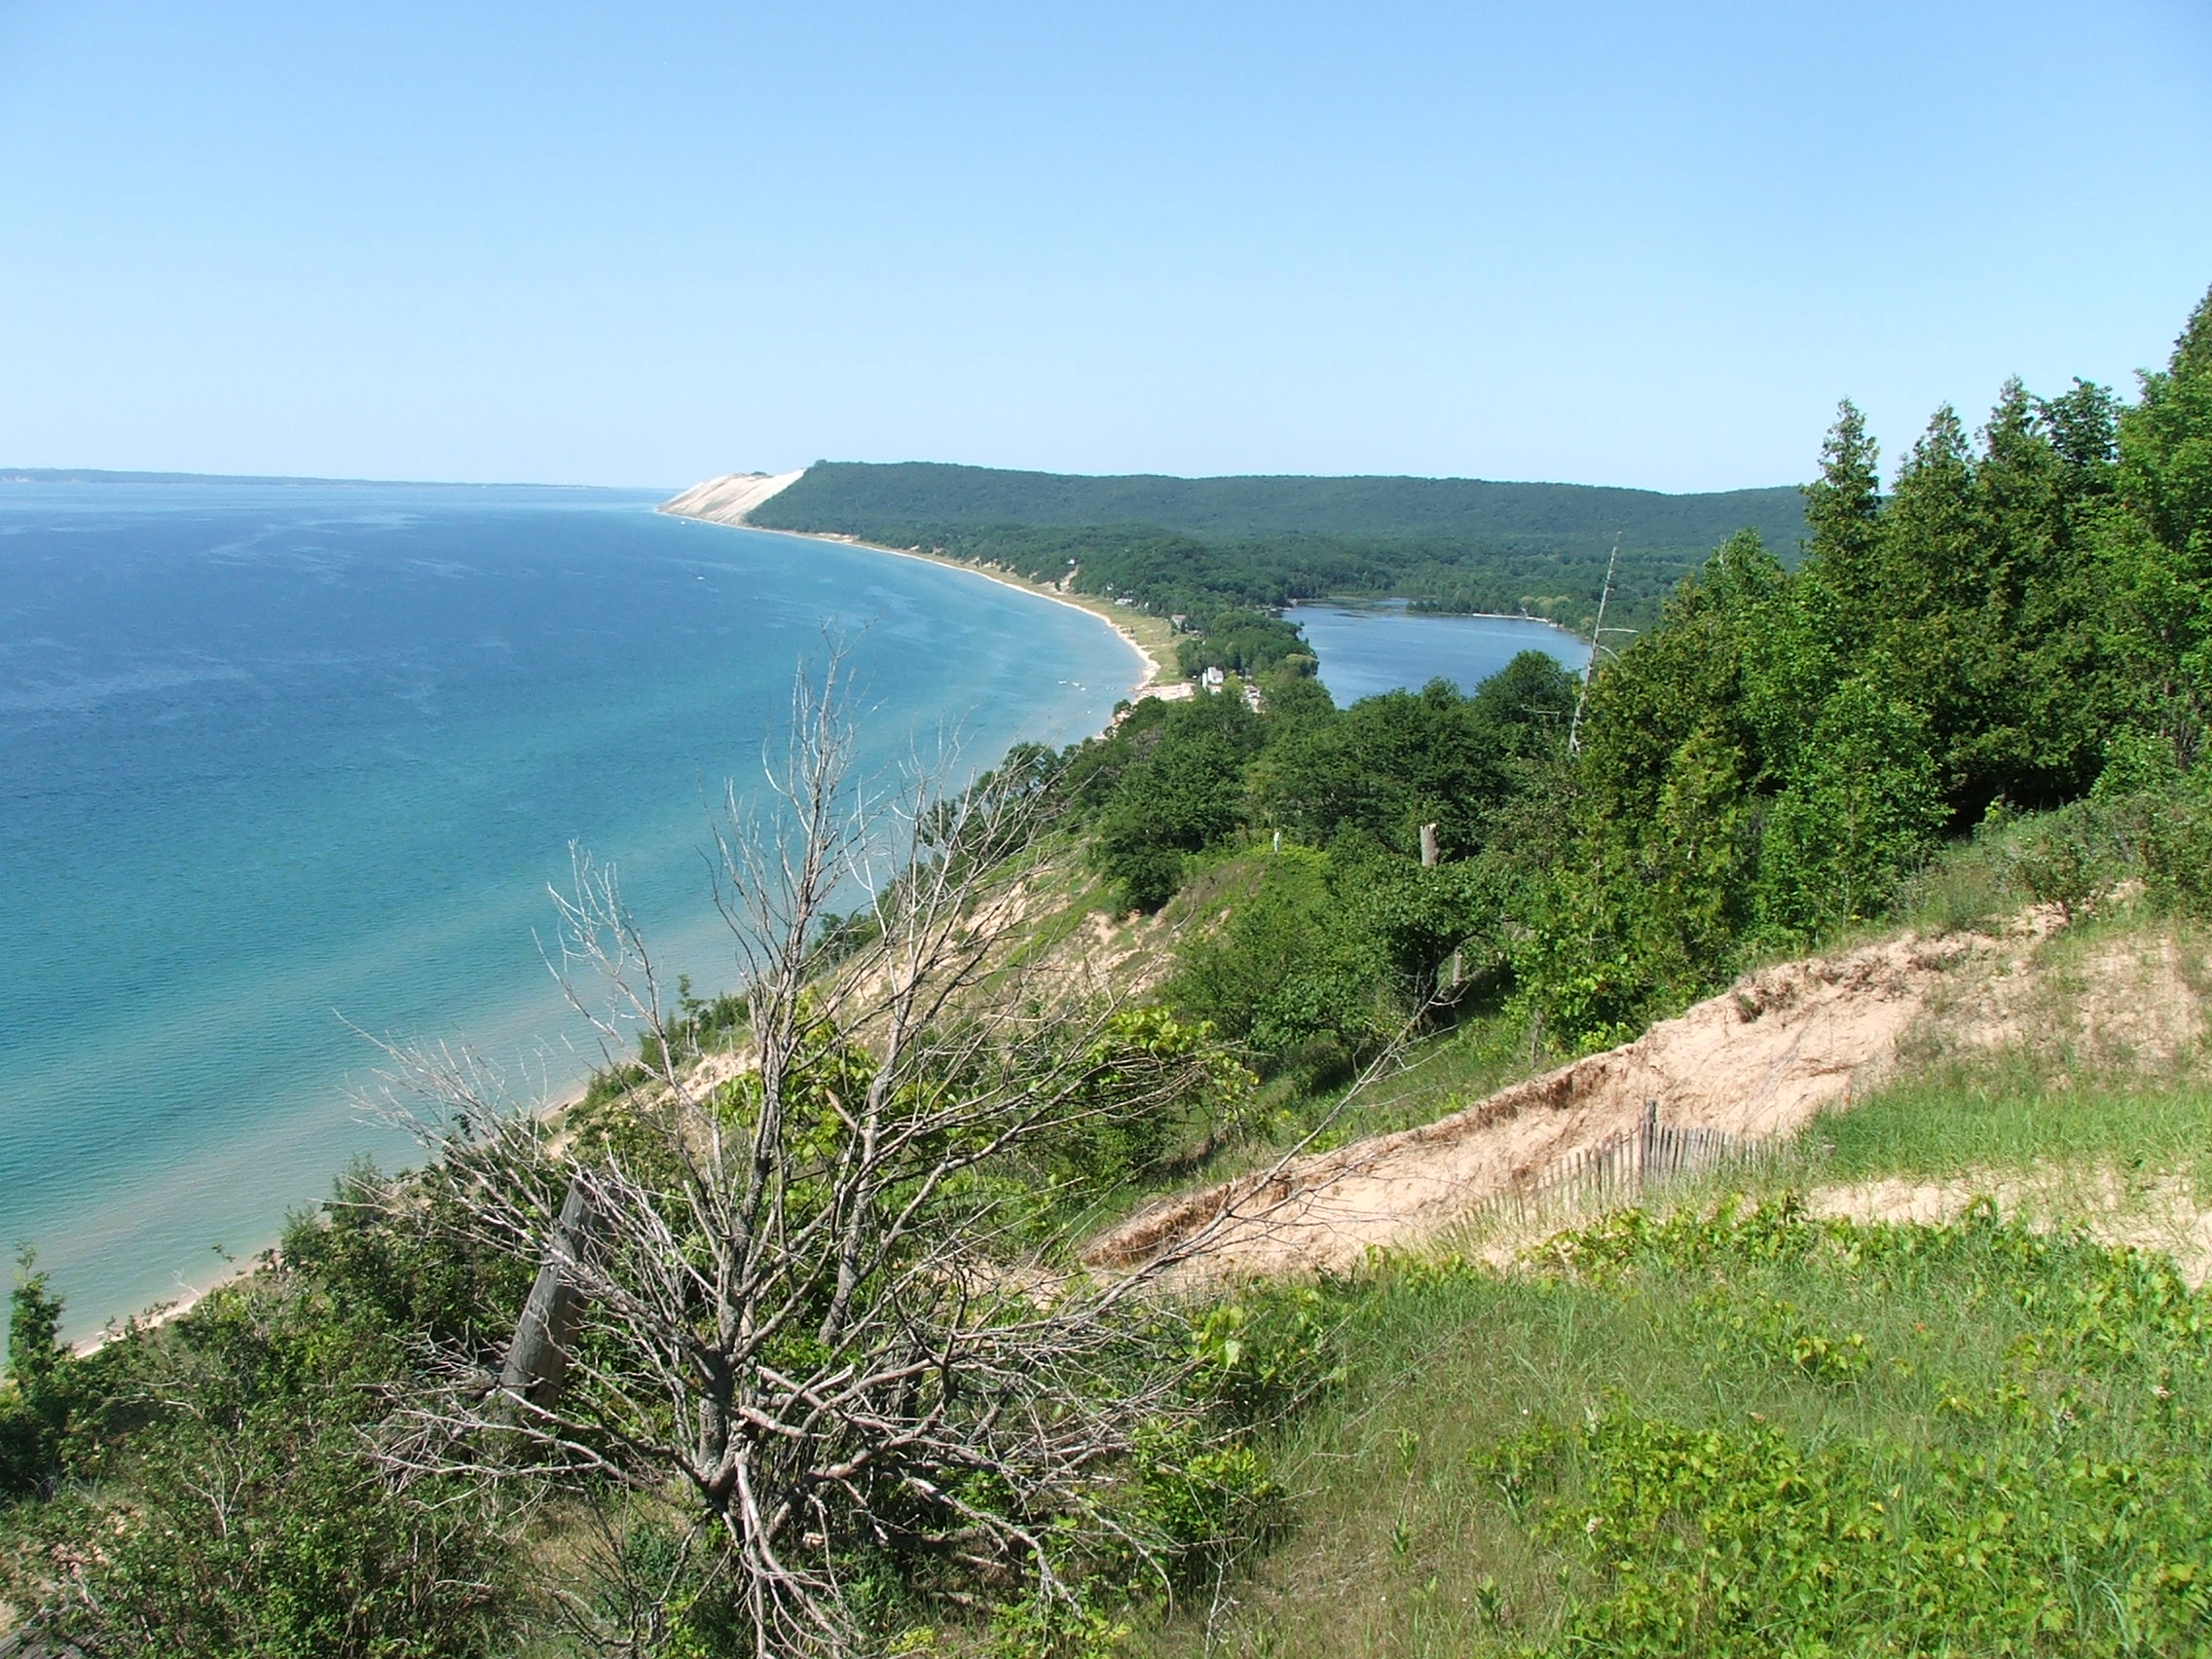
(537,1359)
(1432,855)
(1650,1146)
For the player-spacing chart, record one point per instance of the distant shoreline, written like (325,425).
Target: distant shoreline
(1100,609)
(1442,615)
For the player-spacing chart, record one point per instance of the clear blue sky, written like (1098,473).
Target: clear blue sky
(641,243)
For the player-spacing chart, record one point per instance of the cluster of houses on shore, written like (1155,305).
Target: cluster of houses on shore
(1210,681)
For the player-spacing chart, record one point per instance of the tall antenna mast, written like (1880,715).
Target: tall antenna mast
(1596,633)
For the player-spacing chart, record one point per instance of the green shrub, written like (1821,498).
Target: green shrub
(1154,1087)
(1325,957)
(1182,792)
(2177,852)
(222,1497)
(273,1536)
(1201,1506)
(2061,1513)
(40,1392)
(1258,1359)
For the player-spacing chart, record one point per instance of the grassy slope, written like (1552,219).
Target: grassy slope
(2045,1457)
(1409,1541)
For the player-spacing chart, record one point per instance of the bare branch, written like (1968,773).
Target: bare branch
(805,1292)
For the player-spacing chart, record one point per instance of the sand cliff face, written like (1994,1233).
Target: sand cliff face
(728,499)
(1755,1064)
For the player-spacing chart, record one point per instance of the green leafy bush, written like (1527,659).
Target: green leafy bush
(1155,1085)
(1201,1505)
(39,1396)
(270,1535)
(217,1494)
(2061,1514)
(1183,791)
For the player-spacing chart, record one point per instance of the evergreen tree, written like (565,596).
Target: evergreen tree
(2159,544)
(1860,809)
(1843,509)
(1656,889)
(2039,673)
(1922,606)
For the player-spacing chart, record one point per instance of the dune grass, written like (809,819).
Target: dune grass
(1788,1434)
(2094,1062)
(1969,1122)
(1756,1433)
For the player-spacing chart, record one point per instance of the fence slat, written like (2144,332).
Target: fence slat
(1621,1166)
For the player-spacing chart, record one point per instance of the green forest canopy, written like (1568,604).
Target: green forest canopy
(2021,620)
(1199,544)
(1440,508)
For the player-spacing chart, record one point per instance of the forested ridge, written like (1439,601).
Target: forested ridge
(838,1384)
(1198,545)
(927,492)
(2018,621)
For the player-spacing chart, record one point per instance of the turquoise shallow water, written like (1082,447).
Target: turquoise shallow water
(277,758)
(1365,650)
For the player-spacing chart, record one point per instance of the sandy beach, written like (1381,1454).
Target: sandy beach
(728,499)
(188,1296)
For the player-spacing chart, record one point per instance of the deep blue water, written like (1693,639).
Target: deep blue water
(1365,650)
(278,758)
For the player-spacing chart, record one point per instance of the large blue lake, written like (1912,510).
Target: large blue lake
(1365,650)
(276,761)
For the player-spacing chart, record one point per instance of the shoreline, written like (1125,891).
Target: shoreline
(239,1269)
(1149,672)
(164,1313)
(1441,615)
(1088,605)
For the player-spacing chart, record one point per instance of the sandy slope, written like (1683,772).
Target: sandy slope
(1761,1059)
(728,499)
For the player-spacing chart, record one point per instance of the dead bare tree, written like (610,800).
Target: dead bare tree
(794,1291)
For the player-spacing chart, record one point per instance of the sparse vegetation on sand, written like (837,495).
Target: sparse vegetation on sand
(903,1305)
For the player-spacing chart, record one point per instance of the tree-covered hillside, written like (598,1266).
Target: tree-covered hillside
(1199,544)
(1446,509)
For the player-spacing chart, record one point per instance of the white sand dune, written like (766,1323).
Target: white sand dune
(728,499)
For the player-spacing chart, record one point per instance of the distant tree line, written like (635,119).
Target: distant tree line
(1201,546)
(1461,511)
(1169,571)
(1226,553)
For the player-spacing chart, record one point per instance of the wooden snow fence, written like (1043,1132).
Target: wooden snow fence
(1618,1170)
